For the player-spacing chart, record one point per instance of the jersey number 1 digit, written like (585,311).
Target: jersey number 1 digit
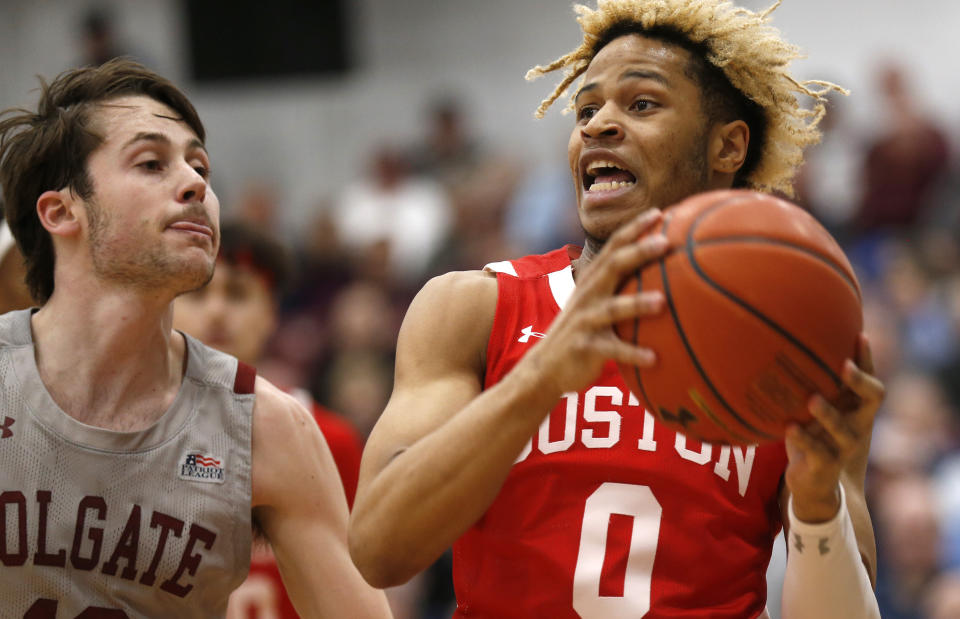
(618,542)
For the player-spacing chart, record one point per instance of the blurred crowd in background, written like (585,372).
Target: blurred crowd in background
(453,200)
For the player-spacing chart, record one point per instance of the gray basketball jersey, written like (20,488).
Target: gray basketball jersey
(98,524)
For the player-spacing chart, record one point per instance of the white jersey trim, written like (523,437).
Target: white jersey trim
(504,266)
(6,239)
(562,285)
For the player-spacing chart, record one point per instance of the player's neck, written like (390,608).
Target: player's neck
(111,361)
(591,247)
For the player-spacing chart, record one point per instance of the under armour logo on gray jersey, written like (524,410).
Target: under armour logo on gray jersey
(5,431)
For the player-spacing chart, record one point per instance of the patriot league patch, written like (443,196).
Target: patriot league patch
(197,466)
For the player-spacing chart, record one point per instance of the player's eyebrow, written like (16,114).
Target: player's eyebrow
(638,74)
(145,136)
(641,74)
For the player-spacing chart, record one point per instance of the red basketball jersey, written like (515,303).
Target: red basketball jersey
(606,513)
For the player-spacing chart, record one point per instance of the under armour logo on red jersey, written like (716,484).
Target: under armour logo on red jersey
(528,332)
(5,431)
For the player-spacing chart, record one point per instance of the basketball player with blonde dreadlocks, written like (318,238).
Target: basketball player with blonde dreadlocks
(511,435)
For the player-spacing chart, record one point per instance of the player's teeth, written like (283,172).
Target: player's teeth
(596,165)
(609,186)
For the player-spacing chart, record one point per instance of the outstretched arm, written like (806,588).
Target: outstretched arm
(299,503)
(831,559)
(443,447)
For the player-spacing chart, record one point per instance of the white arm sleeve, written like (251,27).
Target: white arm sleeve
(825,575)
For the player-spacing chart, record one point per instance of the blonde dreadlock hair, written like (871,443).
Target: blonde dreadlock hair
(751,54)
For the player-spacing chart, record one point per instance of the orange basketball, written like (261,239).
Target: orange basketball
(762,310)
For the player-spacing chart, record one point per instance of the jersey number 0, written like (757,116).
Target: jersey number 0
(605,586)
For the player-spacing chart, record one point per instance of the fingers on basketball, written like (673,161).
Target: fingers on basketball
(763,308)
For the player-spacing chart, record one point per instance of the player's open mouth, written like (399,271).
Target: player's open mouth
(604,175)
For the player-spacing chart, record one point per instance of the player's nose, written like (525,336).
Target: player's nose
(193,185)
(604,124)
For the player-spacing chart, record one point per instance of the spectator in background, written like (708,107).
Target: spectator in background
(99,41)
(259,205)
(237,313)
(880,325)
(915,428)
(943,597)
(909,545)
(946,480)
(448,153)
(322,263)
(13,289)
(951,370)
(828,184)
(541,212)
(912,291)
(356,373)
(478,181)
(904,164)
(403,218)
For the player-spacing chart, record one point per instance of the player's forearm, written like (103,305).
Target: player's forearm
(325,583)
(341,593)
(430,494)
(825,574)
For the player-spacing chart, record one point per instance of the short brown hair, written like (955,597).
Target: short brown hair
(48,149)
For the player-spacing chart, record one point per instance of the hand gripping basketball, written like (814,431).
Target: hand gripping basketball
(763,309)
(581,339)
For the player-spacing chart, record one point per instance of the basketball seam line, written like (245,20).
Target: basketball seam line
(636,330)
(699,368)
(769,241)
(696,361)
(691,243)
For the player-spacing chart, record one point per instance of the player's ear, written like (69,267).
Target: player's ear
(728,146)
(57,211)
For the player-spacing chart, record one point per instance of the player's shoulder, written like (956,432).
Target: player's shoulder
(448,322)
(279,419)
(460,296)
(536,265)
(459,282)
(276,405)
(285,436)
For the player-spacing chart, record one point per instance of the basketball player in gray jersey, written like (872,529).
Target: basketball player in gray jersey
(134,461)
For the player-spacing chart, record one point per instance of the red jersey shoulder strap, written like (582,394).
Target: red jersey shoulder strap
(245,380)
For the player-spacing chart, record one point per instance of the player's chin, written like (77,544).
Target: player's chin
(600,221)
(192,275)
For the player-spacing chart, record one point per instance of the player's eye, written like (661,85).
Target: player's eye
(152,165)
(202,170)
(586,113)
(641,105)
